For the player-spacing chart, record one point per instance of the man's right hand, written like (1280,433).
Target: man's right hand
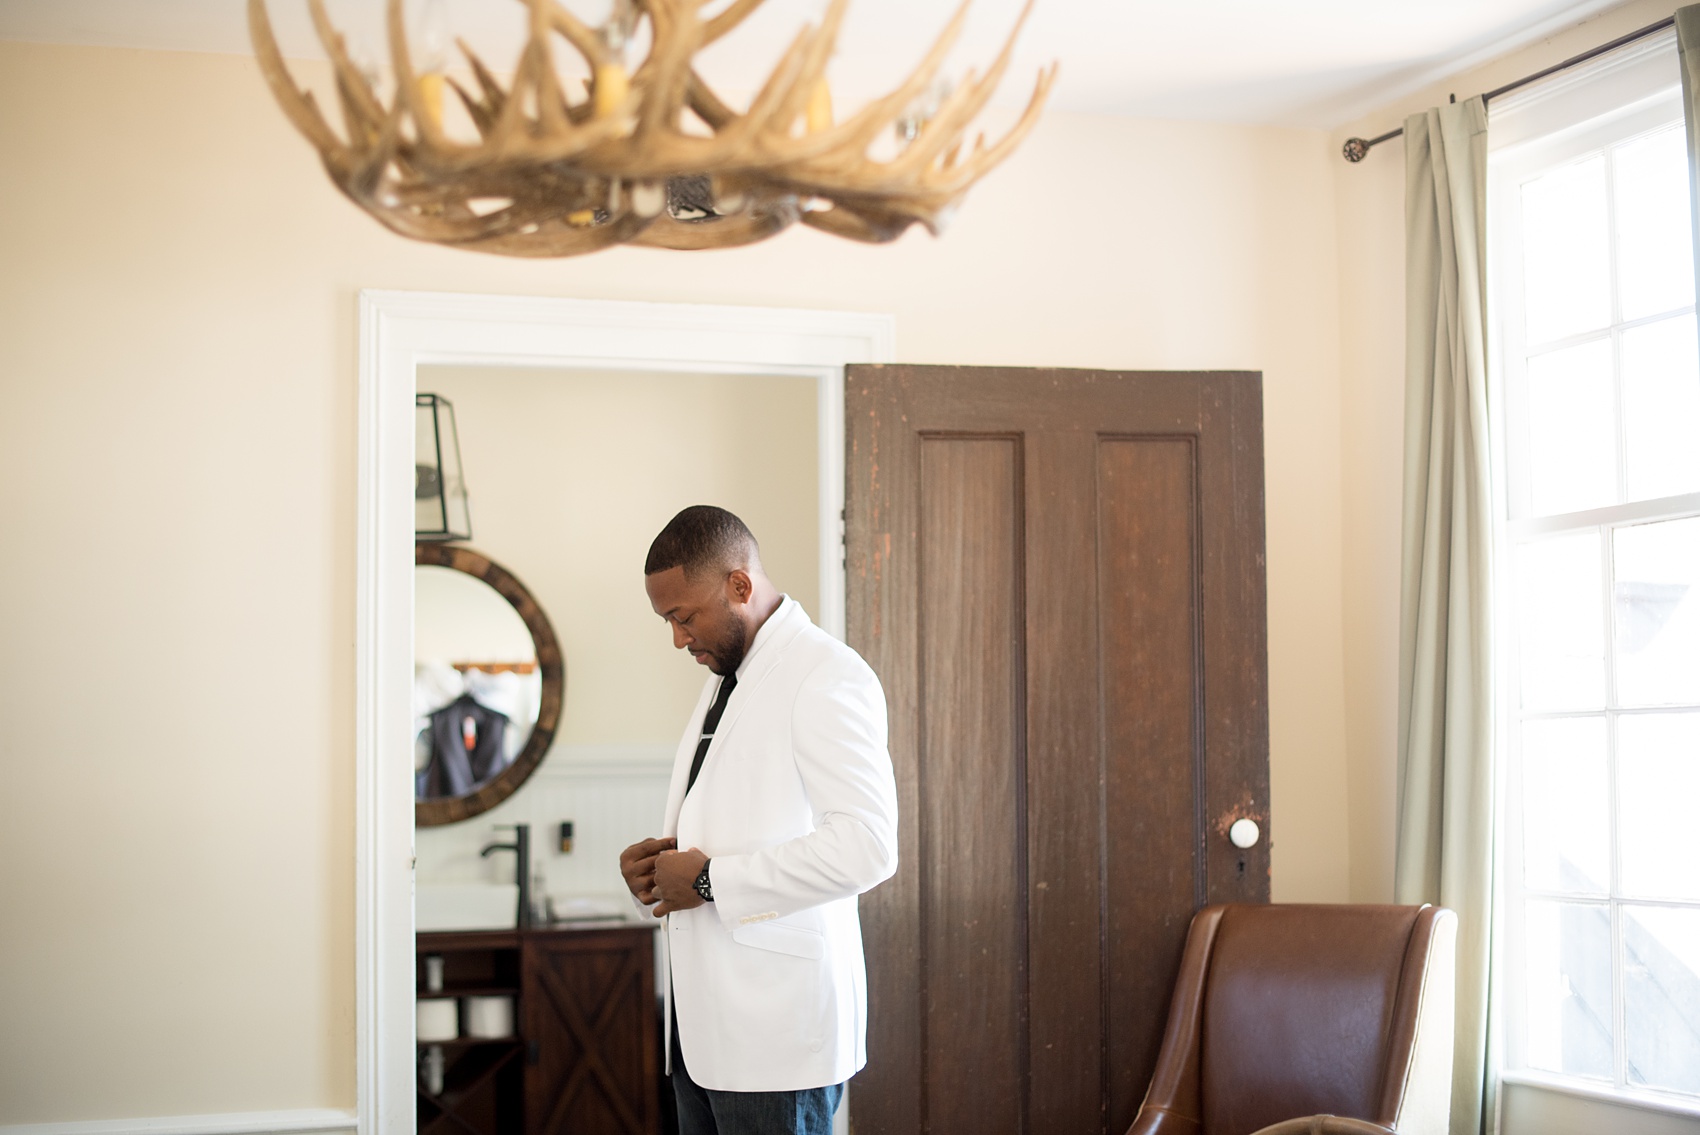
(637,864)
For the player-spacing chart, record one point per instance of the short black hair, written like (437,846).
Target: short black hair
(702,538)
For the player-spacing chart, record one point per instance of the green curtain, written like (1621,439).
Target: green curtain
(1446,783)
(1688,51)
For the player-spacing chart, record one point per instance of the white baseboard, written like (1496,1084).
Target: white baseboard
(301,1121)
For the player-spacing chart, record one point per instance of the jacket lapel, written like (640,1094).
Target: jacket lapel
(682,759)
(787,623)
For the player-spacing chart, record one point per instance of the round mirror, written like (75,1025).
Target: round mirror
(488,684)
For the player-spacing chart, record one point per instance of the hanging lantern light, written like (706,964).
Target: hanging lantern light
(440,509)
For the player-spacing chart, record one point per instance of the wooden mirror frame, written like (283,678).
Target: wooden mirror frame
(449,810)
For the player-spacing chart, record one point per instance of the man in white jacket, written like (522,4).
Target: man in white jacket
(781,811)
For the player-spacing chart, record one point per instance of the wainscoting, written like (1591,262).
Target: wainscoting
(613,794)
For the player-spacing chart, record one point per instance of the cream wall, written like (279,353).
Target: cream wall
(1370,198)
(177,479)
(572,473)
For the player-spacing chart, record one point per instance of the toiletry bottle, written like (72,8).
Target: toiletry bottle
(539,895)
(431,1069)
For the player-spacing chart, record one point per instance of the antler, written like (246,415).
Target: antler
(551,175)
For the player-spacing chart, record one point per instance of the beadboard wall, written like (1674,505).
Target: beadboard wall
(613,794)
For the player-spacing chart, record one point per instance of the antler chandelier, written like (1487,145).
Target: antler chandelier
(559,173)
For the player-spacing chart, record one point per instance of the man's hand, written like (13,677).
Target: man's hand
(675,878)
(637,864)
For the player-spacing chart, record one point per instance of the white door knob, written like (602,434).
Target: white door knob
(1243,833)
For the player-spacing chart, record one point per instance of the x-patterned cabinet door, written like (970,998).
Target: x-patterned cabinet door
(592,1044)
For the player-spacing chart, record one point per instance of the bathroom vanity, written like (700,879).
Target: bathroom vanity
(584,1055)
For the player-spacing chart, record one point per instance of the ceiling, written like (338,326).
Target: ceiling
(1316,63)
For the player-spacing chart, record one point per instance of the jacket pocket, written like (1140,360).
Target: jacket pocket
(781,939)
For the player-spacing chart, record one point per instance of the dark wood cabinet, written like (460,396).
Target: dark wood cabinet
(586,1055)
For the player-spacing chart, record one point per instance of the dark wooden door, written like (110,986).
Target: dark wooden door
(588,1016)
(1059,578)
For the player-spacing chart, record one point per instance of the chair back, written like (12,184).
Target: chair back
(1296,1010)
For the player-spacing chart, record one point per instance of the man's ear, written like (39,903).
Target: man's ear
(739,586)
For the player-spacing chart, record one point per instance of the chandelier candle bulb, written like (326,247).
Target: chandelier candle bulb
(433,59)
(820,107)
(648,199)
(431,96)
(610,89)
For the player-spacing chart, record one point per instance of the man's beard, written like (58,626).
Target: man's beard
(725,655)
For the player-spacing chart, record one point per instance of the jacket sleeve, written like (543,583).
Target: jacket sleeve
(838,736)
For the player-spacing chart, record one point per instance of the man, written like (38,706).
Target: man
(782,810)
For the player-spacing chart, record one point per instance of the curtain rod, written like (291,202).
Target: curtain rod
(1355,148)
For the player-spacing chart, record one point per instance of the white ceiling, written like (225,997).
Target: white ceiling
(1315,63)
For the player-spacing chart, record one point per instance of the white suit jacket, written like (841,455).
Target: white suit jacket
(796,807)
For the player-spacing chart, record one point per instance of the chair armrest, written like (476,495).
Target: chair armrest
(1325,1125)
(1160,1121)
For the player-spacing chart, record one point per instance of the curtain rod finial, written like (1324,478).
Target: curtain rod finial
(1354,149)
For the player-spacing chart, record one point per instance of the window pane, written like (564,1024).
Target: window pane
(1654,263)
(1566,803)
(1658,779)
(1567,979)
(1658,612)
(1661,407)
(1572,429)
(1566,272)
(1560,626)
(1661,997)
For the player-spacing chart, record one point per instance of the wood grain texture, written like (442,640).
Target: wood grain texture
(972,786)
(1148,614)
(1134,532)
(1065,867)
(588,1018)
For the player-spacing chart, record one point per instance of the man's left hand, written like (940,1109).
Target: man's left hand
(675,880)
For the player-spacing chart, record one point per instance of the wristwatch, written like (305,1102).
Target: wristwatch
(702,885)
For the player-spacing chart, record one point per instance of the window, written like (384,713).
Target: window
(1597,392)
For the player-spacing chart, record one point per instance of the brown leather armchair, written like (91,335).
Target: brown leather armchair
(1292,1011)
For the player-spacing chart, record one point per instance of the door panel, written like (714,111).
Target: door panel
(1058,576)
(1064,817)
(971,780)
(1148,624)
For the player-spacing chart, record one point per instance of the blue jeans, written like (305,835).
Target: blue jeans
(703,1111)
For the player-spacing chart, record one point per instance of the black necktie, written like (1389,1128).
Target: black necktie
(709,724)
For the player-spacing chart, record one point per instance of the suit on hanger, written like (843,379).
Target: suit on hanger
(454,770)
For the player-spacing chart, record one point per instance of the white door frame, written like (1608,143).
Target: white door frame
(399,332)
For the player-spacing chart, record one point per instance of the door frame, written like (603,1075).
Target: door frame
(399,332)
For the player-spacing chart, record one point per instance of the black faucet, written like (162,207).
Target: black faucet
(521,847)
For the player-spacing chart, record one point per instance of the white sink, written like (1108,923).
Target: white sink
(466,906)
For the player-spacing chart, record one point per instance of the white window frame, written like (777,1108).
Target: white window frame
(1628,93)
